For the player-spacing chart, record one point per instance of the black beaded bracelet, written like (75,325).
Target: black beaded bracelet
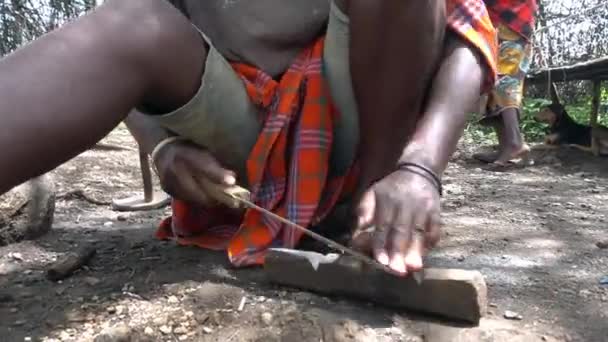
(429,172)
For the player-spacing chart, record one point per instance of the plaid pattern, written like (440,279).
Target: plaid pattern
(287,169)
(518,15)
(470,20)
(288,166)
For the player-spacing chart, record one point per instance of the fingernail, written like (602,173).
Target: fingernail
(230,180)
(413,261)
(383,259)
(398,264)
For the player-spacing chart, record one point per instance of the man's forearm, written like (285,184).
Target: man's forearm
(147,132)
(454,93)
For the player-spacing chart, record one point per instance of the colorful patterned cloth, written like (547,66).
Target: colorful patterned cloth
(518,15)
(470,20)
(513,64)
(288,167)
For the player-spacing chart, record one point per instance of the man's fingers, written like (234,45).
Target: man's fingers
(365,210)
(180,183)
(205,163)
(433,233)
(413,257)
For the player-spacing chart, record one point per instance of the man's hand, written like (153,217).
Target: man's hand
(403,208)
(181,167)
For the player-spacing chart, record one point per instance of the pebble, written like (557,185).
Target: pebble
(267,318)
(207,330)
(512,315)
(149,331)
(111,310)
(180,331)
(602,244)
(108,224)
(120,309)
(172,300)
(121,218)
(460,258)
(16,256)
(118,333)
(91,281)
(165,329)
(159,321)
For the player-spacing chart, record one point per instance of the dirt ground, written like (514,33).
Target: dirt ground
(534,233)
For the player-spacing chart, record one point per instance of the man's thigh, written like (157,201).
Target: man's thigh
(220,117)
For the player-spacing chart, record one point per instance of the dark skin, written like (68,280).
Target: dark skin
(510,141)
(159,63)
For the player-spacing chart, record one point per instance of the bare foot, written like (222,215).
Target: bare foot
(513,154)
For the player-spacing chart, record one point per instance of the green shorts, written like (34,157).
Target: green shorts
(221,117)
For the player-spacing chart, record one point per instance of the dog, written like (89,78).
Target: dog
(563,130)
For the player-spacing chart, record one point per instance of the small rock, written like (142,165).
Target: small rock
(267,318)
(493,305)
(513,315)
(166,330)
(91,281)
(120,309)
(121,218)
(16,256)
(64,335)
(111,310)
(602,244)
(460,258)
(180,331)
(27,339)
(207,330)
(117,333)
(149,331)
(19,322)
(172,300)
(158,321)
(108,224)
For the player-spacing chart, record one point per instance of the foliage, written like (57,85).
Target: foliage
(23,20)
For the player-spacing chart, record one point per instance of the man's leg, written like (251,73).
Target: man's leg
(66,90)
(394,51)
(511,142)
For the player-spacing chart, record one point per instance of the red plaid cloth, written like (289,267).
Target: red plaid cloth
(470,20)
(518,15)
(288,166)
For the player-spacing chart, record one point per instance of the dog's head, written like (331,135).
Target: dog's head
(550,114)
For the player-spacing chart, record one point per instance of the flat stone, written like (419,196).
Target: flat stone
(455,294)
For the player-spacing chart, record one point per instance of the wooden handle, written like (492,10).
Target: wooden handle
(226,195)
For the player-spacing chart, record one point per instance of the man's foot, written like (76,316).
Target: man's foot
(512,159)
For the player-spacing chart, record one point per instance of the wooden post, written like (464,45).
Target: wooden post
(595,103)
(595,108)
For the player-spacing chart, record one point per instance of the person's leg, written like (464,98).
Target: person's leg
(389,87)
(510,140)
(66,90)
(504,105)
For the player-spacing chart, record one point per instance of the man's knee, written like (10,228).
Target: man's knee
(146,26)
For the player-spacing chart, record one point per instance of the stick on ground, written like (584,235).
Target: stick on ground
(72,261)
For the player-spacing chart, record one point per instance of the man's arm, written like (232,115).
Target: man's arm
(453,94)
(147,132)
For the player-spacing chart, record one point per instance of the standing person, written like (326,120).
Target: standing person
(514,21)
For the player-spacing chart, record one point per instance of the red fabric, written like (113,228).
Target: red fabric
(518,15)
